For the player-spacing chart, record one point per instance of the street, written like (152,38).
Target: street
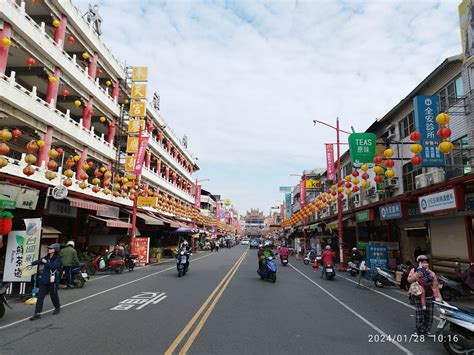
(220,307)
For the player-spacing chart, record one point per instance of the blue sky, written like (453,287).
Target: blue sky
(244,79)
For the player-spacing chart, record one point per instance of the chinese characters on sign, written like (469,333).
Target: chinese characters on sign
(377,256)
(140,155)
(330,169)
(197,197)
(362,147)
(147,201)
(438,201)
(31,244)
(14,258)
(142,245)
(141,301)
(302,192)
(392,211)
(426,110)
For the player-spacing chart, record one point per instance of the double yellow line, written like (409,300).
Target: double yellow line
(219,290)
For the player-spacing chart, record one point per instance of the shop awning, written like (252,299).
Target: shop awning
(315,225)
(173,224)
(150,220)
(50,233)
(334,224)
(113,223)
(87,205)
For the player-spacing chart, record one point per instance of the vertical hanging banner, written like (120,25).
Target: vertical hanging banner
(14,258)
(303,192)
(282,212)
(288,204)
(137,169)
(32,243)
(426,110)
(330,170)
(218,209)
(197,197)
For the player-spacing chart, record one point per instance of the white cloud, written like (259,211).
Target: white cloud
(245,79)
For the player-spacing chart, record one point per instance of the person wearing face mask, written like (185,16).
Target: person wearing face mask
(428,282)
(49,279)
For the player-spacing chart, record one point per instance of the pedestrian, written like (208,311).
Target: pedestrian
(424,310)
(69,260)
(213,245)
(217,246)
(48,280)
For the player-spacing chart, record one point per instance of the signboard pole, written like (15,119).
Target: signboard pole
(339,202)
(134,209)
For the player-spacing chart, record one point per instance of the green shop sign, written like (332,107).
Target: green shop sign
(6,203)
(362,147)
(365,216)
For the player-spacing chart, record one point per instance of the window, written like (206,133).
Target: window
(406,126)
(409,173)
(450,94)
(458,161)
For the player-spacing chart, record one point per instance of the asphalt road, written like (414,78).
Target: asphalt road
(220,307)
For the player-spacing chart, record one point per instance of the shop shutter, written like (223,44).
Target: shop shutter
(448,239)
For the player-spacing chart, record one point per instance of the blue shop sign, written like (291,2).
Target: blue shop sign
(426,110)
(392,211)
(413,210)
(377,256)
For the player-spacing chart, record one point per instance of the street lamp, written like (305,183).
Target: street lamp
(197,204)
(338,177)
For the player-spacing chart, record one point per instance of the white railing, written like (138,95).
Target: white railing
(162,152)
(38,38)
(150,175)
(74,15)
(27,101)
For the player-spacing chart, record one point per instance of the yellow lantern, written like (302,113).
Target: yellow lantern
(102,119)
(416,148)
(388,153)
(348,192)
(30,159)
(108,83)
(355,181)
(334,187)
(40,143)
(389,173)
(378,170)
(365,184)
(364,167)
(76,158)
(348,178)
(85,56)
(6,42)
(52,79)
(445,147)
(77,103)
(442,119)
(340,189)
(126,101)
(56,23)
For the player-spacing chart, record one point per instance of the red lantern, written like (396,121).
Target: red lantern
(365,176)
(378,179)
(6,223)
(355,189)
(389,163)
(30,62)
(71,39)
(60,150)
(91,164)
(348,185)
(355,173)
(444,133)
(16,133)
(378,160)
(415,136)
(340,183)
(65,93)
(99,72)
(416,160)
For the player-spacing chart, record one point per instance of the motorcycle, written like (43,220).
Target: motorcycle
(182,263)
(330,273)
(284,260)
(455,328)
(268,270)
(107,263)
(3,300)
(310,257)
(384,278)
(130,261)
(353,268)
(453,288)
(79,276)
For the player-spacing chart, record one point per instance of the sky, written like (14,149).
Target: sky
(244,80)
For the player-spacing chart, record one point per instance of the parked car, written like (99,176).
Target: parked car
(245,241)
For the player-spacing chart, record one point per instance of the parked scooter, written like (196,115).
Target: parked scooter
(310,257)
(456,328)
(182,262)
(329,271)
(130,261)
(268,270)
(384,278)
(79,276)
(106,263)
(453,288)
(352,268)
(3,300)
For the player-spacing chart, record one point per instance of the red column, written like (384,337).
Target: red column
(81,161)
(60,32)
(87,113)
(111,131)
(167,174)
(115,90)
(53,88)
(43,152)
(147,159)
(92,66)
(5,32)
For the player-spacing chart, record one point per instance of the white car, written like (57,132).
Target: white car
(245,241)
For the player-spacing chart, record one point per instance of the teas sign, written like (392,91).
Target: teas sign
(362,148)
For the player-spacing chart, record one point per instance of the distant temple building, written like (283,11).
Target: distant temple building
(254,222)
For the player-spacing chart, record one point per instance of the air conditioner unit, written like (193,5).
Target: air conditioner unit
(421,181)
(334,208)
(371,192)
(356,200)
(438,176)
(391,131)
(345,205)
(392,183)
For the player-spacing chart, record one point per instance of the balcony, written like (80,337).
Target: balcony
(162,152)
(166,185)
(43,43)
(27,102)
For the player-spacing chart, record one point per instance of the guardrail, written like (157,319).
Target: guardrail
(166,185)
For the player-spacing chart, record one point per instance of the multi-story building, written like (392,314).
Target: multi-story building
(64,111)
(254,222)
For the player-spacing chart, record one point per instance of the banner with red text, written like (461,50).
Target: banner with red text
(330,170)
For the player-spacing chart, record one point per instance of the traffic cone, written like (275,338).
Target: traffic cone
(315,264)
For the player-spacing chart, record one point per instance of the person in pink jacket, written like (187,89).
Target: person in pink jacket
(424,310)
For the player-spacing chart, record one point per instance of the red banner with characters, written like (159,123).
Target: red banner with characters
(142,247)
(197,197)
(137,169)
(303,192)
(330,170)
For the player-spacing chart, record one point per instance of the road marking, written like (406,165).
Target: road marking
(142,300)
(101,292)
(366,321)
(203,320)
(98,278)
(193,320)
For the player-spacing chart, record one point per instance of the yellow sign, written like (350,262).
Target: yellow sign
(132,144)
(227,202)
(134,126)
(138,109)
(129,162)
(138,91)
(140,74)
(313,184)
(147,201)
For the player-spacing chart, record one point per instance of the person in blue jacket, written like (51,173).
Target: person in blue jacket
(49,279)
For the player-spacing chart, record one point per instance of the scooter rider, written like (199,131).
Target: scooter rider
(184,247)
(356,257)
(327,257)
(70,260)
(265,252)
(284,251)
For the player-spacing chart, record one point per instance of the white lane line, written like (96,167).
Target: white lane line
(100,293)
(98,278)
(366,321)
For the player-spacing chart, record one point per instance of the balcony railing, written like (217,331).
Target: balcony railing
(150,175)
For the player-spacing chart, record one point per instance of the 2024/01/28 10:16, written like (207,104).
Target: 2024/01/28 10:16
(411,338)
